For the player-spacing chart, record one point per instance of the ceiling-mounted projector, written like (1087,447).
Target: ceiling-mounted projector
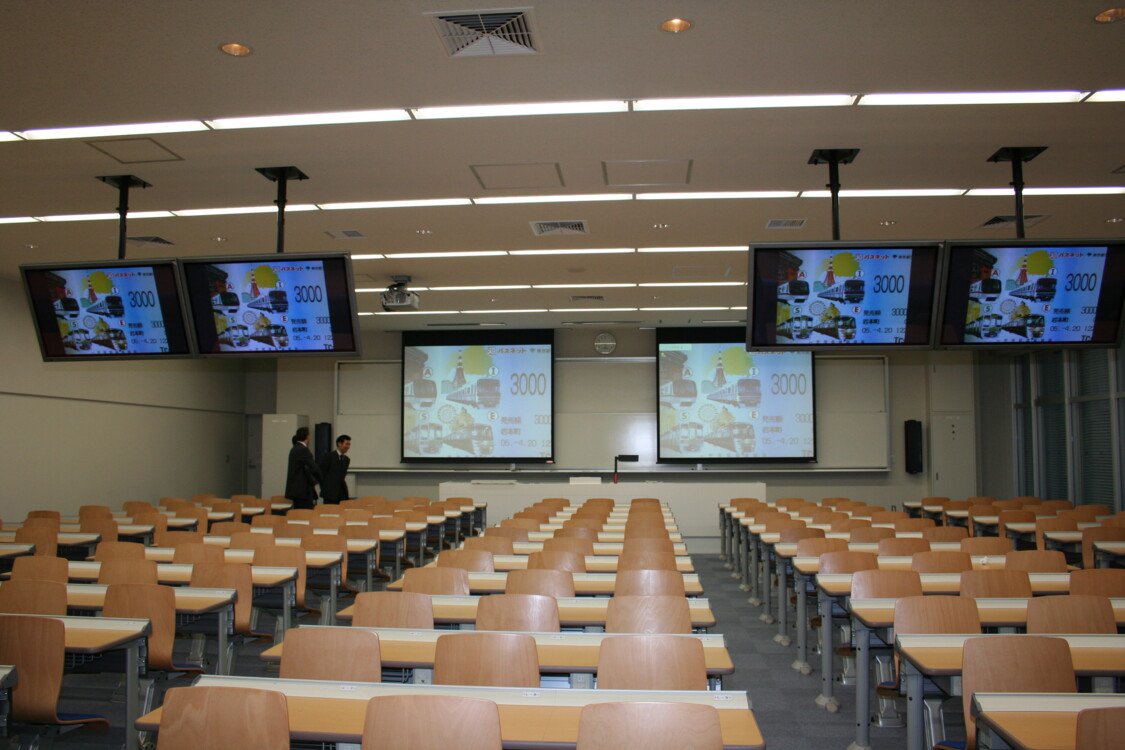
(398,298)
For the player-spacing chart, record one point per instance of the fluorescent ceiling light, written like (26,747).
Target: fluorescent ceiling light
(553,199)
(716,196)
(475,288)
(1110,95)
(974,97)
(417,312)
(591,309)
(694,283)
(519,110)
(454,254)
(744,102)
(100,131)
(580,286)
(18,220)
(244,210)
(679,309)
(6,136)
(365,313)
(151,215)
(316,118)
(993,192)
(79,217)
(486,312)
(743,307)
(575,251)
(906,193)
(369,256)
(716,249)
(396,204)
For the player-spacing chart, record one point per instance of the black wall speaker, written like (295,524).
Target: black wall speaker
(913,434)
(322,439)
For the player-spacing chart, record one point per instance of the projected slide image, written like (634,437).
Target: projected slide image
(1022,294)
(717,401)
(481,401)
(108,311)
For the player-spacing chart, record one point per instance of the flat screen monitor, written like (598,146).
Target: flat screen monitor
(719,402)
(841,295)
(272,305)
(477,396)
(108,310)
(1033,293)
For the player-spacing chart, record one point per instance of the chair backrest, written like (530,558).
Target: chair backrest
(137,506)
(1043,525)
(35,646)
(554,560)
(229,575)
(393,609)
(527,613)
(292,530)
(870,534)
(651,725)
(645,532)
(814,547)
(300,514)
(847,562)
(886,584)
(151,602)
(267,520)
(775,525)
(589,528)
(516,534)
(945,534)
(251,540)
(902,547)
(286,557)
(1013,664)
(127,570)
(888,516)
(449,581)
(346,654)
(980,509)
(646,561)
(187,511)
(936,614)
(1075,613)
(1005,505)
(1099,581)
(987,584)
(578,544)
(41,568)
(941,561)
(1058,505)
(45,539)
(1100,728)
(196,552)
(1088,512)
(104,527)
(176,538)
(1013,516)
(158,521)
(528,524)
(497,545)
(327,522)
(94,511)
(32,597)
(554,583)
(649,582)
(915,524)
(482,658)
(325,542)
(407,722)
(651,662)
(478,560)
(792,536)
(1098,534)
(227,528)
(849,525)
(648,614)
(642,544)
(986,545)
(1036,560)
(195,717)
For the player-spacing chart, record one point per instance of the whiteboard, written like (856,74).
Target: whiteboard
(607,406)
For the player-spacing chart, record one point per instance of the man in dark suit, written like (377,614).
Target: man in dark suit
(303,473)
(334,469)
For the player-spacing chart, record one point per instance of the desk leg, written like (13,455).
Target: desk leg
(287,594)
(827,652)
(371,562)
(224,634)
(742,556)
(132,697)
(862,688)
(767,582)
(755,573)
(333,593)
(802,664)
(724,541)
(915,728)
(782,636)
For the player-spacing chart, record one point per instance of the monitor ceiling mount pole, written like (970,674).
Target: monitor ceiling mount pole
(1018,155)
(282,176)
(834,157)
(123,182)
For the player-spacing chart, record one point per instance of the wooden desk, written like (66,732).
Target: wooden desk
(1108,554)
(578,611)
(66,539)
(11,550)
(574,654)
(939,656)
(322,711)
(97,635)
(1035,721)
(586,584)
(7,682)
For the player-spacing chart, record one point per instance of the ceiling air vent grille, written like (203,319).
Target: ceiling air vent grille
(587,298)
(1009,220)
(785,223)
(541,228)
(486,33)
(149,240)
(344,234)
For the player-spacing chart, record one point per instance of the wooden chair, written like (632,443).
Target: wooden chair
(848,525)
(46,540)
(1074,613)
(345,654)
(176,538)
(237,576)
(1100,728)
(267,520)
(31,597)
(945,534)
(527,524)
(554,583)
(94,511)
(137,506)
(1011,504)
(158,521)
(889,516)
(579,545)
(497,545)
(986,545)
(228,507)
(953,505)
(648,614)
(814,547)
(407,722)
(251,540)
(227,528)
(651,662)
(870,534)
(1088,513)
(1098,534)
(515,534)
(527,613)
(827,516)
(292,530)
(1043,525)
(286,557)
(481,658)
(198,717)
(980,510)
(36,646)
(477,560)
(449,581)
(106,528)
(1058,505)
(941,561)
(300,514)
(393,609)
(1036,561)
(41,568)
(646,561)
(587,531)
(1012,664)
(847,562)
(571,561)
(645,531)
(936,614)
(127,570)
(202,521)
(197,552)
(157,604)
(1098,581)
(649,725)
(902,547)
(1013,516)
(648,582)
(991,584)
(886,584)
(327,522)
(791,536)
(915,524)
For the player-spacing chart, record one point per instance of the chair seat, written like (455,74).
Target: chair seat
(82,719)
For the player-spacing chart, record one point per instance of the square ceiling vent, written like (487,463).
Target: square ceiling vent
(486,33)
(573,226)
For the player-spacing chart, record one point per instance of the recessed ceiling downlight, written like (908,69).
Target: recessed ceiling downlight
(234,49)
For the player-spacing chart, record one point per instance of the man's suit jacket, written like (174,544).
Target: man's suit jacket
(334,468)
(302,476)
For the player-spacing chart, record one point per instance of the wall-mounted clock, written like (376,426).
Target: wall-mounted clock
(605,343)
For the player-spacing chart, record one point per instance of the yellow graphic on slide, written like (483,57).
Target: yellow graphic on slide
(99,282)
(263,276)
